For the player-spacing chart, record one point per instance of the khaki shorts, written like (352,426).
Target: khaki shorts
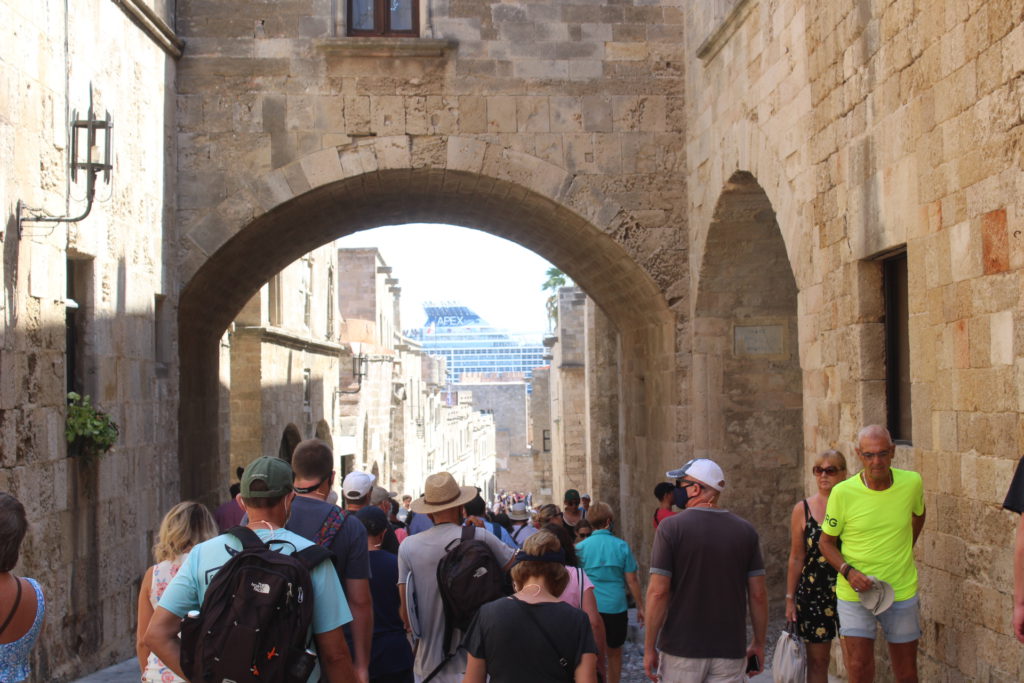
(693,670)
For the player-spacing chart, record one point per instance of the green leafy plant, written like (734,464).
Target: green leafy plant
(88,430)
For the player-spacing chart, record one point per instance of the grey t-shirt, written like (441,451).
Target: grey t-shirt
(709,554)
(417,565)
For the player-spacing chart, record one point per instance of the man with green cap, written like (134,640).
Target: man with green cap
(266,497)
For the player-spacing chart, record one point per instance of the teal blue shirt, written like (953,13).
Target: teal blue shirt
(606,559)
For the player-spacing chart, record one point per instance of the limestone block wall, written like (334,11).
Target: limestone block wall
(91,525)
(507,403)
(601,399)
(540,436)
(875,127)
(569,416)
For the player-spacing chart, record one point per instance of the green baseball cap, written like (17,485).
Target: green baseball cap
(274,472)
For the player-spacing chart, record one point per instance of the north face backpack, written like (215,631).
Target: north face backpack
(468,576)
(255,617)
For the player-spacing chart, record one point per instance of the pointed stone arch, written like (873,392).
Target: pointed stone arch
(748,393)
(230,251)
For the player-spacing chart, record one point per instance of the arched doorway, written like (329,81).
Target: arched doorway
(514,196)
(748,406)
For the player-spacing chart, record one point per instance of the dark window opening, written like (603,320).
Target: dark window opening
(77,305)
(383,17)
(897,347)
(547,441)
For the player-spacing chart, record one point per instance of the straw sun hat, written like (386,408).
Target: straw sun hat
(442,492)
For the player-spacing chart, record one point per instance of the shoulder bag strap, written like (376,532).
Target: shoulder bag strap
(807,511)
(562,661)
(579,581)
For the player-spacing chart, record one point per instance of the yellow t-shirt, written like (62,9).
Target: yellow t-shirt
(876,532)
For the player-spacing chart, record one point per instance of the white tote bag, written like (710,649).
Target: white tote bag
(789,664)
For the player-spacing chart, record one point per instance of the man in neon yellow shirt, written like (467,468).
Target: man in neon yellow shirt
(877,516)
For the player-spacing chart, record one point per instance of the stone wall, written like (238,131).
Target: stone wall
(507,403)
(873,127)
(91,523)
(569,445)
(540,436)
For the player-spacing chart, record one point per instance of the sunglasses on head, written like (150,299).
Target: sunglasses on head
(830,470)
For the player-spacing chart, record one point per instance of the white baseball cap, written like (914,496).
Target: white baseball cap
(703,470)
(357,484)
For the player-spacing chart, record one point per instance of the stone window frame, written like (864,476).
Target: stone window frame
(380,27)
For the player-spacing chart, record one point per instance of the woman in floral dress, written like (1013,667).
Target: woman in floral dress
(810,580)
(183,527)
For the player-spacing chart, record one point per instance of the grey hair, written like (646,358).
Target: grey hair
(874,430)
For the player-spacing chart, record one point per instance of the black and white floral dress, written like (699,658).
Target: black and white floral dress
(816,616)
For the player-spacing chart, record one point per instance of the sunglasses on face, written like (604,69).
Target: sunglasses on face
(583,534)
(830,470)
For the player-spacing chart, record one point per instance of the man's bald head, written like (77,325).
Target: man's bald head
(874,432)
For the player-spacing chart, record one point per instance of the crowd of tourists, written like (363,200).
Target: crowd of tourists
(289,582)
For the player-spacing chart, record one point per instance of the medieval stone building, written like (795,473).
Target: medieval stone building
(795,218)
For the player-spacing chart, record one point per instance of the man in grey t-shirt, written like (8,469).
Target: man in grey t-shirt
(706,573)
(418,557)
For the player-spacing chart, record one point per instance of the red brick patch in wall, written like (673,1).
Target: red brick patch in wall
(995,242)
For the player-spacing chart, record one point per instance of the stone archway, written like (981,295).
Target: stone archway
(231,250)
(748,406)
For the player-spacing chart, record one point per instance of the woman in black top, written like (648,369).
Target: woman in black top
(532,637)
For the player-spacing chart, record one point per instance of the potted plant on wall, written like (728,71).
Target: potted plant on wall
(88,430)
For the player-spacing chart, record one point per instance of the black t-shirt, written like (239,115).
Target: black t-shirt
(503,634)
(390,652)
(1015,496)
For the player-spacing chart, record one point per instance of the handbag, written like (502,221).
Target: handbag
(789,664)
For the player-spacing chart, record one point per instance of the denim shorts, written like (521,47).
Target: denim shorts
(900,623)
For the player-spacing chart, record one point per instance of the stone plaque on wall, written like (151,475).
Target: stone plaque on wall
(758,340)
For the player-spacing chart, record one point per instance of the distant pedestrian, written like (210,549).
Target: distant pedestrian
(521,527)
(610,564)
(707,573)
(184,526)
(391,659)
(21,598)
(877,517)
(585,504)
(380,497)
(571,511)
(532,635)
(475,509)
(313,518)
(664,493)
(443,500)
(583,530)
(229,513)
(810,579)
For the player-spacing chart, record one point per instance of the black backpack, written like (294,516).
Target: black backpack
(254,619)
(468,576)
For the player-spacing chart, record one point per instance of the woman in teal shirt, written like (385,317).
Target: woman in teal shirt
(610,564)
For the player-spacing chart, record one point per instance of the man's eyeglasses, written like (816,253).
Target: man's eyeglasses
(683,483)
(879,454)
(830,470)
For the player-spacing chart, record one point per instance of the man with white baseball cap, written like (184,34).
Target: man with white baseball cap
(707,572)
(356,488)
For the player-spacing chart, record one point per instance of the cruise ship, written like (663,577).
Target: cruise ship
(472,347)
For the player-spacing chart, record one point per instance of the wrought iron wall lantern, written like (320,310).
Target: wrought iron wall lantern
(83,157)
(360,368)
